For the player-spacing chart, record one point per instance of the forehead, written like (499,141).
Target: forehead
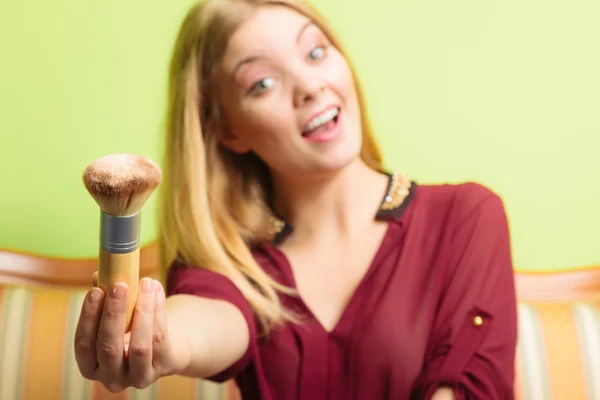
(269,29)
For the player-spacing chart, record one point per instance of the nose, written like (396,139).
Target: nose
(308,85)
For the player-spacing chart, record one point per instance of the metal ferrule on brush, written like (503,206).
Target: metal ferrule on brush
(119,235)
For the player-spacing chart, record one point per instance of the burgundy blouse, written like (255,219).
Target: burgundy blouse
(436,306)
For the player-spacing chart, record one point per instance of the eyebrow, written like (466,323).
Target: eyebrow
(252,59)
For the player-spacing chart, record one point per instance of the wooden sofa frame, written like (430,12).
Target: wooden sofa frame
(20,268)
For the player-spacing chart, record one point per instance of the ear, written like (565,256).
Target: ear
(232,142)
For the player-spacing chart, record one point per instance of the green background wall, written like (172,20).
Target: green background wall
(503,93)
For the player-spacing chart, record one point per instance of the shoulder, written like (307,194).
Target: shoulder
(467,228)
(452,205)
(468,194)
(458,198)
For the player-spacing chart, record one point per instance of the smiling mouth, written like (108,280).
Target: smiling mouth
(322,123)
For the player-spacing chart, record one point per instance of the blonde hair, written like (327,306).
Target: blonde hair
(214,203)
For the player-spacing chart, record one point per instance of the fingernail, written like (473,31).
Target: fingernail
(147,285)
(118,291)
(94,295)
(159,292)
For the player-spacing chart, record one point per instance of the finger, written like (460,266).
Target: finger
(160,339)
(86,331)
(95,279)
(109,343)
(140,343)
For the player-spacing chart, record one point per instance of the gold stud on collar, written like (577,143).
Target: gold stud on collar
(276,226)
(399,189)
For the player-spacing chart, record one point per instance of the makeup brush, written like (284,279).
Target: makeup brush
(121,184)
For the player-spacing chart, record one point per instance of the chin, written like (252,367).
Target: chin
(339,157)
(328,158)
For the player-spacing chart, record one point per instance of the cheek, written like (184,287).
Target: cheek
(340,77)
(264,125)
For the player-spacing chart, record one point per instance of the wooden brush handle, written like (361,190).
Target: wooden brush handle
(125,268)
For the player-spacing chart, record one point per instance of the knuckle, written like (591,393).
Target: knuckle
(145,307)
(139,349)
(112,312)
(88,311)
(107,349)
(89,314)
(158,338)
(83,346)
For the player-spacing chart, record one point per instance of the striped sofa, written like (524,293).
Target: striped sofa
(40,299)
(558,353)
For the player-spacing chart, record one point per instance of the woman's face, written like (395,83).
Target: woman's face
(288,95)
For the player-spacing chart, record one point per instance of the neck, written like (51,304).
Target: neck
(339,203)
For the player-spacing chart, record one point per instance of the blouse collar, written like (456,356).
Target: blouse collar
(399,194)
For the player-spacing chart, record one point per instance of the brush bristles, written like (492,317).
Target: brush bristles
(122,183)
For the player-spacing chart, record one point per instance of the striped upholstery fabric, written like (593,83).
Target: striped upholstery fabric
(558,355)
(37,360)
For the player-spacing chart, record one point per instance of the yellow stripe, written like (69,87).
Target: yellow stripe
(563,353)
(46,347)
(176,387)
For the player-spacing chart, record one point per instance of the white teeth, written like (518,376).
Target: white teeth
(323,118)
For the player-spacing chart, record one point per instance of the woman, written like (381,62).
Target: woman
(298,265)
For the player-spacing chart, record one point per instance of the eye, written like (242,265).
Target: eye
(262,85)
(317,53)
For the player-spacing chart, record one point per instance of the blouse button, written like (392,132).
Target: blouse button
(477,321)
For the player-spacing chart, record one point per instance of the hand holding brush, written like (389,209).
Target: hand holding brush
(123,337)
(121,184)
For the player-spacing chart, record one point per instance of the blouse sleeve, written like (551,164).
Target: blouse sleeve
(208,284)
(473,342)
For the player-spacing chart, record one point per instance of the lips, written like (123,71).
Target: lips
(325,132)
(319,120)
